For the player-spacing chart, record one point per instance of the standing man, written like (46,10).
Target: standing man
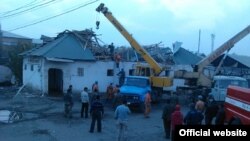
(117,59)
(95,91)
(166,116)
(220,116)
(121,115)
(200,105)
(96,112)
(176,119)
(121,75)
(68,103)
(193,117)
(95,88)
(85,102)
(110,93)
(147,104)
(111,50)
(210,111)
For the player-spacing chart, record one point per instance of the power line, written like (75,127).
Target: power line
(26,10)
(21,7)
(49,18)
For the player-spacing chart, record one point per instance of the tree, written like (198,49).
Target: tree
(16,60)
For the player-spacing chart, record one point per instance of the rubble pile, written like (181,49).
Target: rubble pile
(89,39)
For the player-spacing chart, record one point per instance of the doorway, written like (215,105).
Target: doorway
(55,82)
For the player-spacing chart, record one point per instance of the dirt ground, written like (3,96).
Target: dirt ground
(43,120)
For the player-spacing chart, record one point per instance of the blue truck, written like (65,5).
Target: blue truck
(134,90)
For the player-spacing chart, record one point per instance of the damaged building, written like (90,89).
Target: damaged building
(73,58)
(77,58)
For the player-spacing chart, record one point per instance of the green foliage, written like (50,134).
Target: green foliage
(16,60)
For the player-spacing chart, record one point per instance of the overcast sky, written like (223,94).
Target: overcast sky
(150,21)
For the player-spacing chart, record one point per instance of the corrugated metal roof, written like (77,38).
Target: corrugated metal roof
(242,59)
(12,35)
(185,57)
(66,46)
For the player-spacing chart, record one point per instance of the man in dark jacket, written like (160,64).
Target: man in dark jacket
(193,117)
(121,75)
(220,116)
(166,116)
(96,112)
(68,103)
(211,111)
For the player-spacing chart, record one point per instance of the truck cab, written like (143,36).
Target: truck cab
(220,84)
(237,105)
(134,90)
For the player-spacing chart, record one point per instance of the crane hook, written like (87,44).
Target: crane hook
(97,24)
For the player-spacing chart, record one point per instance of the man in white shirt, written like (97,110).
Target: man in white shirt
(85,102)
(121,115)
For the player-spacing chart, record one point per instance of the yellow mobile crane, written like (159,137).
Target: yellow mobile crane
(197,79)
(155,79)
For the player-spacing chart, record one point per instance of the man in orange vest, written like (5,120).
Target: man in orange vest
(117,59)
(147,104)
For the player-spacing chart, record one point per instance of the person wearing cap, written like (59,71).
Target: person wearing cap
(121,115)
(85,102)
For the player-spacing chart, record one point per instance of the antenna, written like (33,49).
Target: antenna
(212,42)
(1,40)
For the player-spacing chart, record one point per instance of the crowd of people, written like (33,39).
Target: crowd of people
(201,112)
(91,104)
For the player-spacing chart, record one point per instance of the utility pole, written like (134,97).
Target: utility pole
(1,41)
(212,42)
(199,41)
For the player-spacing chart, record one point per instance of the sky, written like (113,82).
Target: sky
(149,21)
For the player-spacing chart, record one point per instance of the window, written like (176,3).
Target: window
(110,72)
(80,72)
(38,68)
(25,67)
(31,67)
(131,72)
(167,72)
(140,82)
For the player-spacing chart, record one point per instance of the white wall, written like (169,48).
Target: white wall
(176,81)
(33,79)
(93,71)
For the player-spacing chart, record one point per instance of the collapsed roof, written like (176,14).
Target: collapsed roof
(84,45)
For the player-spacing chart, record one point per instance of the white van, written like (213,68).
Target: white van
(220,84)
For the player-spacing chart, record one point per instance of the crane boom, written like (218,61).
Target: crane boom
(220,50)
(153,64)
(198,74)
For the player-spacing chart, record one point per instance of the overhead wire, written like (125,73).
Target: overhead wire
(52,17)
(28,10)
(21,7)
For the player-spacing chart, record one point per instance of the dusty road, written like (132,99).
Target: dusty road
(43,120)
